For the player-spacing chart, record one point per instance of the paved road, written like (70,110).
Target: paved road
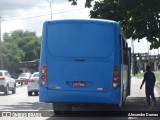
(22,102)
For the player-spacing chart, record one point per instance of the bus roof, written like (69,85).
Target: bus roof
(100,21)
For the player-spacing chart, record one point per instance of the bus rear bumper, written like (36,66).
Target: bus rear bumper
(100,97)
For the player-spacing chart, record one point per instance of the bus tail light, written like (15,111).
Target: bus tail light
(115,79)
(43,81)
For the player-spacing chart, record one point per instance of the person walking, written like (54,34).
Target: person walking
(149,80)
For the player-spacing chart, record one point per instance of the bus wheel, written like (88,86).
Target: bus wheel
(56,108)
(61,108)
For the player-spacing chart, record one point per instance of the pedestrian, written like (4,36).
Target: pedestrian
(149,79)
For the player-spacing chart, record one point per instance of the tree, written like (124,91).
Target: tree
(87,3)
(19,46)
(137,18)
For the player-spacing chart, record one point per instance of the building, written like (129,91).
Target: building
(29,66)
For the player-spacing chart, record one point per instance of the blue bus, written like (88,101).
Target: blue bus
(83,62)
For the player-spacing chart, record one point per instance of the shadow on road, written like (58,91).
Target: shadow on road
(2,94)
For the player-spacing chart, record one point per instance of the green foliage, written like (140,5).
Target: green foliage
(157,74)
(73,2)
(139,75)
(87,3)
(137,18)
(19,46)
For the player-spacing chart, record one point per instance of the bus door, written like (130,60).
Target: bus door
(129,72)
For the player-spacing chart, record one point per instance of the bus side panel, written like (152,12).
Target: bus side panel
(43,46)
(43,92)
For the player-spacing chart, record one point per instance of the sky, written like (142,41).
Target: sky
(31,14)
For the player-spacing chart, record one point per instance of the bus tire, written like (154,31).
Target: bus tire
(61,108)
(56,108)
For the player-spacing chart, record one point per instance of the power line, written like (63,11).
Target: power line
(42,15)
(47,11)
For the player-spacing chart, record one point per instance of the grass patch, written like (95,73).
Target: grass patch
(139,75)
(157,74)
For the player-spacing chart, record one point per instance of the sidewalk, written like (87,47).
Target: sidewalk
(137,92)
(157,89)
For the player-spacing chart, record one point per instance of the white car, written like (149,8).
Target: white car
(7,83)
(24,76)
(33,85)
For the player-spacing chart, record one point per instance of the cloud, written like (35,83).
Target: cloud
(11,7)
(30,14)
(142,47)
(12,25)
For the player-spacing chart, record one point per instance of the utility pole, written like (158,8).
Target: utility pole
(148,52)
(50,3)
(1,47)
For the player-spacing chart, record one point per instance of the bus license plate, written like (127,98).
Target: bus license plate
(78,84)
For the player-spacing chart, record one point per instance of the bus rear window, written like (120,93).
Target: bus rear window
(80,40)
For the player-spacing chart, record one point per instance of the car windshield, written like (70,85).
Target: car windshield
(36,75)
(24,75)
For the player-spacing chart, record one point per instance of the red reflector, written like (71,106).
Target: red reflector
(2,78)
(115,79)
(43,77)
